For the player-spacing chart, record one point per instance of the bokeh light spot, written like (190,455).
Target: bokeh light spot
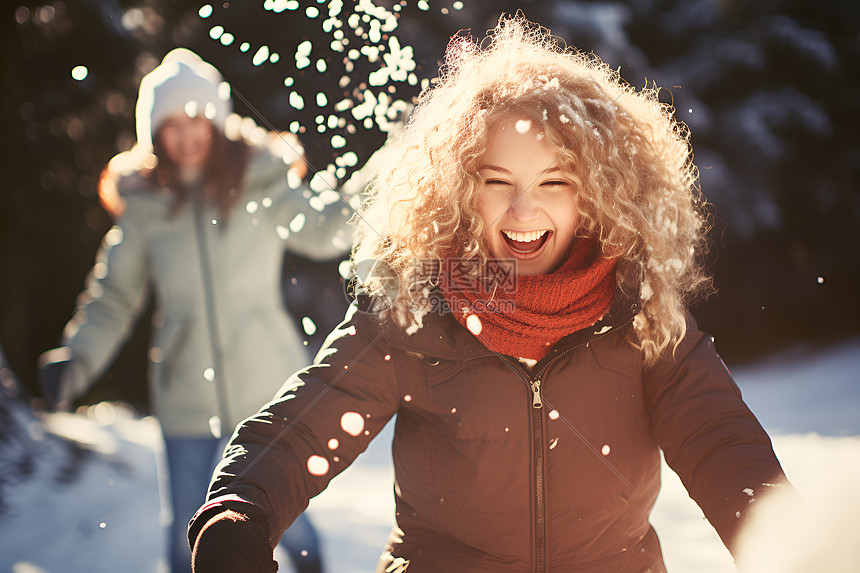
(308,325)
(317,465)
(352,423)
(473,323)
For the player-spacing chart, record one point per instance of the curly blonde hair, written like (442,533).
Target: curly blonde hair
(629,160)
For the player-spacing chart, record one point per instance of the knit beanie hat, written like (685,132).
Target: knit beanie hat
(183,82)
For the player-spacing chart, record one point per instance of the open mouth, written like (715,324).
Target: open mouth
(525,242)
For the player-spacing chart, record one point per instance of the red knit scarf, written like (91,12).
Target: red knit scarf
(529,314)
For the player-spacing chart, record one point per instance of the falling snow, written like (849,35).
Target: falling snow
(523,125)
(366,40)
(474,324)
(352,423)
(309,326)
(317,465)
(215,427)
(298,222)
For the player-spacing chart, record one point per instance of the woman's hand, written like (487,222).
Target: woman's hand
(54,384)
(231,543)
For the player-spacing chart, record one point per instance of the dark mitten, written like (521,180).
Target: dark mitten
(232,543)
(53,367)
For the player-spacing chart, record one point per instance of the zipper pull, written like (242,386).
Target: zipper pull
(536,401)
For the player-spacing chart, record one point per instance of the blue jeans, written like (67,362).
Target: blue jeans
(191,462)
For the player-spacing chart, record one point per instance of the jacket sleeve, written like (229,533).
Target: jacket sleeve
(114,297)
(323,418)
(709,436)
(313,224)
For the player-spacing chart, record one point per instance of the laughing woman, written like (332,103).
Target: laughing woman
(535,228)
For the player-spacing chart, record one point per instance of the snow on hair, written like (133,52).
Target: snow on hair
(630,161)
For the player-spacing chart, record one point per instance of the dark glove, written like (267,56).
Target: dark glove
(231,542)
(53,366)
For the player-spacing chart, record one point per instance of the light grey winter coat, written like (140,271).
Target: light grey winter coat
(216,287)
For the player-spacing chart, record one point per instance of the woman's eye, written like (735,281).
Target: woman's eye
(495,182)
(555,183)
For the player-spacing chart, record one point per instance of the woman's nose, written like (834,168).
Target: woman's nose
(524,206)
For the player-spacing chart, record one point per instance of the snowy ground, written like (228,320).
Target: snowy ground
(111,518)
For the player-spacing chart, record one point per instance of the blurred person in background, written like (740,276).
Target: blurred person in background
(205,205)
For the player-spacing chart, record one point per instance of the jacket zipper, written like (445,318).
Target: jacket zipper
(536,399)
(534,385)
(540,494)
(208,287)
(540,502)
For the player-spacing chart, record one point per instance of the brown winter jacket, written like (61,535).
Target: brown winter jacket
(503,468)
